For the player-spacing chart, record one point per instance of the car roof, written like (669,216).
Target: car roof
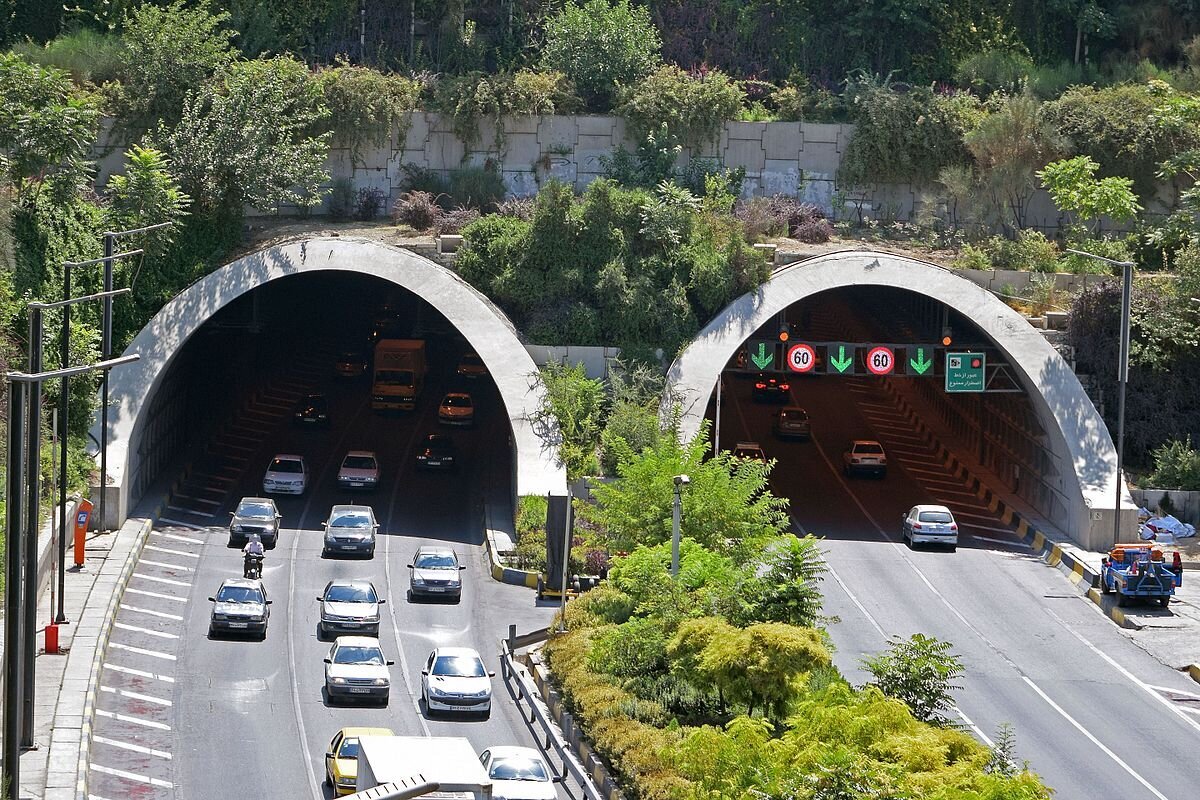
(747,445)
(436,549)
(346,508)
(793,408)
(350,582)
(920,508)
(511,750)
(459,652)
(358,730)
(248,583)
(361,453)
(266,500)
(356,641)
(867,441)
(287,457)
(457,394)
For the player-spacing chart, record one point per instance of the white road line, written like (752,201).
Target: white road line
(195,499)
(925,466)
(157,579)
(241,448)
(158,549)
(141,673)
(132,776)
(143,651)
(135,696)
(962,492)
(147,631)
(164,565)
(181,524)
(1190,710)
(191,511)
(162,614)
(1172,691)
(977,527)
(158,595)
(989,518)
(219,479)
(145,723)
(1006,542)
(136,748)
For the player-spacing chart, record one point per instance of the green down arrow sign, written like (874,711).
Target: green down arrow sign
(920,364)
(762,359)
(843,361)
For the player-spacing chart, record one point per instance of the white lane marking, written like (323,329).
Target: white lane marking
(1173,691)
(158,595)
(141,673)
(132,776)
(1190,710)
(987,517)
(143,651)
(997,541)
(151,612)
(145,723)
(181,524)
(165,565)
(977,527)
(1132,772)
(187,510)
(218,479)
(158,701)
(195,499)
(136,748)
(963,492)
(147,631)
(158,549)
(157,579)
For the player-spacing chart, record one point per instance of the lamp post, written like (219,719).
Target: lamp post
(1122,370)
(676,512)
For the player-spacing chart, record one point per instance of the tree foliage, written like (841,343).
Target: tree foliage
(693,107)
(366,106)
(1075,189)
(576,404)
(146,194)
(921,673)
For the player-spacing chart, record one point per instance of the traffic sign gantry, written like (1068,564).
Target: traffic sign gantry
(880,360)
(801,357)
(965,372)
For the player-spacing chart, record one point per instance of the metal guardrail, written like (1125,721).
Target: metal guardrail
(515,676)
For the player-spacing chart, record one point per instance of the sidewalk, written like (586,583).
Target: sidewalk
(65,684)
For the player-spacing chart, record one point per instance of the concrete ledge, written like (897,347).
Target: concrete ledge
(503,574)
(1193,671)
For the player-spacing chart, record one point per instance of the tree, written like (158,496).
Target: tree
(1073,186)
(576,403)
(784,585)
(146,194)
(245,139)
(920,672)
(601,47)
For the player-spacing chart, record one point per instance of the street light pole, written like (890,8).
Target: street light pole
(567,538)
(676,515)
(1122,370)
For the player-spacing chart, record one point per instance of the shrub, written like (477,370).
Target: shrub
(417,209)
(89,56)
(813,231)
(1115,249)
(479,188)
(517,207)
(972,257)
(991,71)
(600,47)
(368,202)
(693,107)
(920,672)
(634,648)
(1031,251)
(694,177)
(758,218)
(454,220)
(341,198)
(1176,466)
(366,106)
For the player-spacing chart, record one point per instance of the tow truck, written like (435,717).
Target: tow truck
(1138,571)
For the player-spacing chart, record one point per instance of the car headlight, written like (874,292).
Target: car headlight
(381,681)
(337,680)
(219,617)
(418,581)
(481,693)
(433,690)
(239,528)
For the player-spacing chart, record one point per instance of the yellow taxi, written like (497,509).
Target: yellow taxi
(341,757)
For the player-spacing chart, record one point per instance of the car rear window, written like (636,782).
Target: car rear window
(286,465)
(869,449)
(457,400)
(936,516)
(795,415)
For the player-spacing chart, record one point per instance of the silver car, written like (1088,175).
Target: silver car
(355,668)
(434,572)
(454,679)
(350,606)
(240,606)
(928,524)
(359,470)
(255,515)
(350,530)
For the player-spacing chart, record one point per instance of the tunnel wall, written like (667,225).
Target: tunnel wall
(1075,433)
(144,426)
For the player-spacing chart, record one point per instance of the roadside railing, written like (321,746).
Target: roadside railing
(537,714)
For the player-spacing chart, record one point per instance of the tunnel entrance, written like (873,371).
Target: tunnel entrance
(859,337)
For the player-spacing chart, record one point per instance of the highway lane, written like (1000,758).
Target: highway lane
(252,714)
(1023,632)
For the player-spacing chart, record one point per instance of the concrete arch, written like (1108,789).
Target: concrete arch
(484,326)
(1078,435)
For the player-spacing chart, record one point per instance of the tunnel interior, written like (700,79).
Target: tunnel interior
(281,340)
(833,340)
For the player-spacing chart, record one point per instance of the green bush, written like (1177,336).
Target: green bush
(366,106)
(692,107)
(1115,249)
(475,97)
(601,47)
(920,672)
(1176,466)
(1031,251)
(635,648)
(480,188)
(89,56)
(991,71)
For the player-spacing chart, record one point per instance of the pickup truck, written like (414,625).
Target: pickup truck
(1138,571)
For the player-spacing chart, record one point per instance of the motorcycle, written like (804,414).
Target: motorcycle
(252,566)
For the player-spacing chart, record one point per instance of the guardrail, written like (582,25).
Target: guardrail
(516,676)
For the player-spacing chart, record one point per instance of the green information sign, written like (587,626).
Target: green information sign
(965,372)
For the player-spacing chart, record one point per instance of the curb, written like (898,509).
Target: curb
(106,623)
(1193,670)
(503,574)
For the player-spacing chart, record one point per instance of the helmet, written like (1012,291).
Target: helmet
(254,537)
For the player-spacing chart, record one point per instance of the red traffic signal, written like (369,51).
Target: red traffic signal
(976,363)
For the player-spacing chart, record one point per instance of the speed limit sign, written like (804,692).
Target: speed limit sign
(801,358)
(881,360)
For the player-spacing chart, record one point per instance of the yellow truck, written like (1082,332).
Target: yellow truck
(399,374)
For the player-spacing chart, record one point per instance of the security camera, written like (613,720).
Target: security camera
(682,480)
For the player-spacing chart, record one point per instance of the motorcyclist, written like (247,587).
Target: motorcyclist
(252,555)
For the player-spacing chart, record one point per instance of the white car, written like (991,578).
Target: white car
(355,668)
(927,524)
(519,773)
(457,408)
(454,679)
(359,470)
(865,455)
(286,474)
(435,573)
(350,606)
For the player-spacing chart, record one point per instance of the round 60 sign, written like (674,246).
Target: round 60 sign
(881,360)
(801,358)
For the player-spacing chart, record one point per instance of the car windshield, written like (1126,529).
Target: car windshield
(404,377)
(936,516)
(351,520)
(349,749)
(359,462)
(518,768)
(239,594)
(256,510)
(350,593)
(437,441)
(456,400)
(286,465)
(358,655)
(459,667)
(471,360)
(868,449)
(436,561)
(794,415)
(353,358)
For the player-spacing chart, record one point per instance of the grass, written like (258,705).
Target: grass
(87,55)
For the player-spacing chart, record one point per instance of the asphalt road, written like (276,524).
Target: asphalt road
(1093,714)
(186,716)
